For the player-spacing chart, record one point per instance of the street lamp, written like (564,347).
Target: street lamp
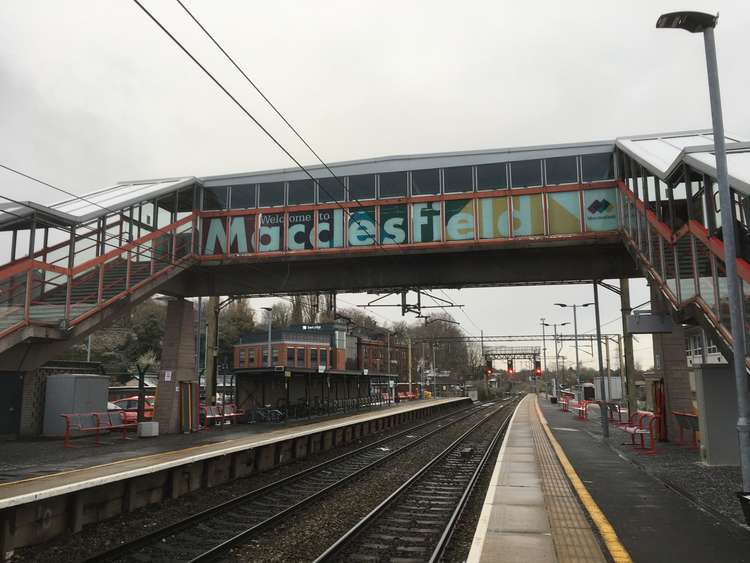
(575,334)
(698,22)
(557,350)
(270,316)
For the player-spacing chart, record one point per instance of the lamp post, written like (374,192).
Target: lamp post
(557,351)
(270,316)
(575,336)
(697,22)
(544,354)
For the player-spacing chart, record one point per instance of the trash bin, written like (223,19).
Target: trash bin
(745,504)
(553,400)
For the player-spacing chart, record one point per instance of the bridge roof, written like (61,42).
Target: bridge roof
(662,154)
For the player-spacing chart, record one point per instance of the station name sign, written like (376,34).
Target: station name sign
(424,222)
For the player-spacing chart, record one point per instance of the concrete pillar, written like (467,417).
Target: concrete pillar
(177,364)
(31,403)
(670,363)
(629,367)
(717,414)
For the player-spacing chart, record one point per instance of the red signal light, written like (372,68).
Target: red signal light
(538,372)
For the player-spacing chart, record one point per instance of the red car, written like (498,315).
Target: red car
(129,406)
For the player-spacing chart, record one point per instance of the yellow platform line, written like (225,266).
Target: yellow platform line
(606,530)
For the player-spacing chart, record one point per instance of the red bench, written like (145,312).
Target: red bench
(211,413)
(642,424)
(564,405)
(231,412)
(96,422)
(688,421)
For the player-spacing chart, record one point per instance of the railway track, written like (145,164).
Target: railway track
(416,522)
(209,534)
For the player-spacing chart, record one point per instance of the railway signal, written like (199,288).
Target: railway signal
(537,368)
(510,367)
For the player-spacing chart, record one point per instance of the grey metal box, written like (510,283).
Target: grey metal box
(72,393)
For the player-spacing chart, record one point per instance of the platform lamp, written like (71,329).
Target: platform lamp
(575,335)
(557,351)
(698,22)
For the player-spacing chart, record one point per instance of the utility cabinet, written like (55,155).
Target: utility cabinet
(72,393)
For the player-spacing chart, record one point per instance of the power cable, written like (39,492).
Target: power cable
(250,115)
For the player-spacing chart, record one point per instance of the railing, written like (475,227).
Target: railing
(688,264)
(63,292)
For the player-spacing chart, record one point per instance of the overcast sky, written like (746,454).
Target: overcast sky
(91,93)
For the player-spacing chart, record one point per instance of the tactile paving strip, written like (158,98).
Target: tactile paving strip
(572,534)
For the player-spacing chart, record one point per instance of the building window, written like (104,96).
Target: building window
(251,357)
(215,199)
(275,356)
(323,357)
(525,173)
(457,179)
(492,177)
(393,184)
(313,357)
(265,357)
(271,194)
(300,357)
(561,170)
(301,192)
(425,182)
(242,358)
(596,167)
(290,356)
(330,190)
(362,186)
(243,197)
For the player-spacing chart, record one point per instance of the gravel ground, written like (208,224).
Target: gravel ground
(311,531)
(126,527)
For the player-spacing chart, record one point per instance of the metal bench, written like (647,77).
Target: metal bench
(115,420)
(211,414)
(80,422)
(231,412)
(688,421)
(642,424)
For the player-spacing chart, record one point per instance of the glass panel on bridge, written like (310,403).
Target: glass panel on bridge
(331,190)
(301,226)
(492,176)
(330,228)
(271,194)
(361,186)
(526,173)
(528,215)
(459,219)
(426,222)
(216,198)
(597,167)
(458,179)
(561,170)
(564,211)
(684,253)
(600,209)
(242,197)
(362,231)
(425,182)
(301,192)
(393,184)
(393,224)
(271,232)
(493,217)
(722,293)
(705,274)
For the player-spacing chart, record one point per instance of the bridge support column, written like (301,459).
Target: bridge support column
(629,370)
(670,364)
(177,366)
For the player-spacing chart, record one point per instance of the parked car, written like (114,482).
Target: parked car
(129,406)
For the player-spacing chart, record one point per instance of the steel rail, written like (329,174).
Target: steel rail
(337,547)
(156,536)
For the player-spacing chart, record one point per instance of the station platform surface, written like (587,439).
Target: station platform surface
(531,513)
(42,469)
(653,523)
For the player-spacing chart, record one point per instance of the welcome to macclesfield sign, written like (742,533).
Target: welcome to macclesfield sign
(476,218)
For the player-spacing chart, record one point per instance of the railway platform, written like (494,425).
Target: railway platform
(100,485)
(561,494)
